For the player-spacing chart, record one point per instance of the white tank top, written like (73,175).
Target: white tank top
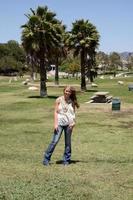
(66,114)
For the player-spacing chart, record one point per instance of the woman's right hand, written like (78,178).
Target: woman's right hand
(56,127)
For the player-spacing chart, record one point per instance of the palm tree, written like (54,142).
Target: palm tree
(84,39)
(58,53)
(40,34)
(56,58)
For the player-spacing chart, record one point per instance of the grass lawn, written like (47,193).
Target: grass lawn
(102,145)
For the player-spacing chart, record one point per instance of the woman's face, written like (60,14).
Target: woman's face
(67,92)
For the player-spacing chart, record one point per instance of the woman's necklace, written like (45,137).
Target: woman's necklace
(65,105)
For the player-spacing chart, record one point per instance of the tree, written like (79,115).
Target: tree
(40,34)
(84,39)
(16,51)
(12,58)
(4,50)
(114,62)
(71,65)
(58,53)
(9,66)
(129,63)
(102,61)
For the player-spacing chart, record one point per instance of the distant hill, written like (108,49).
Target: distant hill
(125,55)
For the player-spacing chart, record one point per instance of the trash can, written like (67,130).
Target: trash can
(116,103)
(130,87)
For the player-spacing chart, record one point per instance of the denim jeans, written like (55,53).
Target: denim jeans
(55,140)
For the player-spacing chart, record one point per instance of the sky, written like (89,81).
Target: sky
(112,18)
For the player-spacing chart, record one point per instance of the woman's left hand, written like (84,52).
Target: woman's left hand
(72,125)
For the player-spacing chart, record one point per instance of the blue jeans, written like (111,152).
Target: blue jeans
(55,140)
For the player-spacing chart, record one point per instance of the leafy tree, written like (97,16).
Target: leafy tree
(4,50)
(84,39)
(9,66)
(129,64)
(16,51)
(114,62)
(12,57)
(102,60)
(71,65)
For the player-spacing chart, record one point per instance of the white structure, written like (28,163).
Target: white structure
(33,88)
(120,82)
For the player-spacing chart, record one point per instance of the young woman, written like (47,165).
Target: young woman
(64,120)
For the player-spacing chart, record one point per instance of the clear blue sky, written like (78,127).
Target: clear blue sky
(113,19)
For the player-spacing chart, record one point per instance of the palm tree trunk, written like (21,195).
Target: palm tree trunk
(56,73)
(32,69)
(89,71)
(83,81)
(43,73)
(43,88)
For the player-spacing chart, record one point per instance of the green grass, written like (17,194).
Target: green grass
(102,145)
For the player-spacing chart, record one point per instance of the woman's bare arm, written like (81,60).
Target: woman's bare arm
(56,114)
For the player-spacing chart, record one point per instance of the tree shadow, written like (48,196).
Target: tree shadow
(93,90)
(39,97)
(52,97)
(35,97)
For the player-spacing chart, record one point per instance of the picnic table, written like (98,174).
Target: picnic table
(101,93)
(101,97)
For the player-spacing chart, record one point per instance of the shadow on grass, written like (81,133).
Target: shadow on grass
(98,160)
(39,97)
(93,90)
(112,161)
(60,162)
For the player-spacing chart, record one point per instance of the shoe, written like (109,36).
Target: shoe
(46,162)
(66,163)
